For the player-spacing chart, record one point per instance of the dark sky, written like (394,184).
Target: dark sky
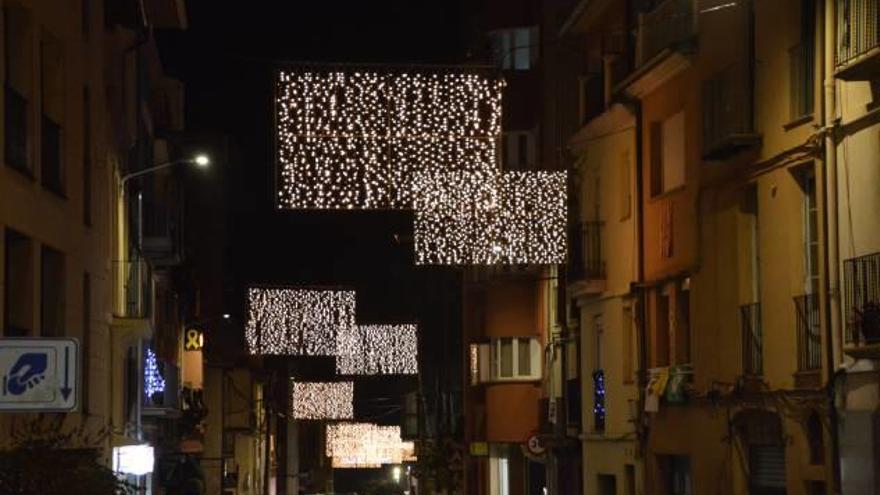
(227,58)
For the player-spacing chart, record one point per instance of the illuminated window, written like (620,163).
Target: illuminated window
(517,358)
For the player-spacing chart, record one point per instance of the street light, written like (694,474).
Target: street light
(201,160)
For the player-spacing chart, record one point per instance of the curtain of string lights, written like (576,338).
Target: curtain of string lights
(366,445)
(352,139)
(297,322)
(519,217)
(425,141)
(322,400)
(378,350)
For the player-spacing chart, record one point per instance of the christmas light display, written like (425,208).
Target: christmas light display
(378,350)
(153,381)
(366,445)
(353,139)
(599,399)
(467,218)
(297,322)
(322,400)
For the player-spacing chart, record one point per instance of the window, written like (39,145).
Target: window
(630,483)
(86,18)
(625,185)
(16,56)
(591,95)
(668,154)
(86,342)
(816,439)
(87,157)
(811,231)
(801,63)
(516,49)
(519,150)
(499,466)
(767,469)
(19,285)
(749,209)
(660,341)
(130,386)
(682,322)
(626,325)
(599,335)
(676,471)
(505,358)
(607,484)
(51,293)
(52,104)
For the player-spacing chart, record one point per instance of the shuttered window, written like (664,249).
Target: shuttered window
(767,469)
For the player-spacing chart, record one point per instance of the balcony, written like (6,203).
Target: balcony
(861,286)
(858,39)
(728,124)
(669,26)
(162,236)
(586,266)
(134,289)
(15,130)
(752,346)
(809,350)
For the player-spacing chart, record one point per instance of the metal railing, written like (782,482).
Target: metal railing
(727,106)
(752,342)
(15,129)
(586,260)
(669,24)
(808,328)
(861,286)
(858,28)
(134,289)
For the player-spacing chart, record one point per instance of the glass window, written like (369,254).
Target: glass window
(524,357)
(505,358)
(18,300)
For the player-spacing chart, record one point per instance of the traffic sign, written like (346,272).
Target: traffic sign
(38,374)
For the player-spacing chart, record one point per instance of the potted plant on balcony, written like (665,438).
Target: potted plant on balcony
(868,321)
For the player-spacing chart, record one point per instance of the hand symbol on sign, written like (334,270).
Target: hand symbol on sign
(27,372)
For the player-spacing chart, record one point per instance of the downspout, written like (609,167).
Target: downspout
(832,256)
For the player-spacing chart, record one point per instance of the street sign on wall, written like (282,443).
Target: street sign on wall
(38,374)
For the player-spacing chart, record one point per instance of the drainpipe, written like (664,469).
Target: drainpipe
(832,256)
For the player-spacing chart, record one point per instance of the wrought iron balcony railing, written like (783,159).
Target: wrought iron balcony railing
(586,260)
(668,25)
(134,289)
(752,340)
(858,30)
(861,279)
(728,105)
(808,328)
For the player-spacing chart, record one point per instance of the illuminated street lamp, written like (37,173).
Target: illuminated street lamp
(201,160)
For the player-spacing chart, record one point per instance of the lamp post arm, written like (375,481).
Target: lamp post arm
(127,177)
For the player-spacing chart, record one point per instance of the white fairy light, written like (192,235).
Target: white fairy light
(462,218)
(322,400)
(297,322)
(353,139)
(366,445)
(378,350)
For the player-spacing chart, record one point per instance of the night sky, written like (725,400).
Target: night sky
(226,59)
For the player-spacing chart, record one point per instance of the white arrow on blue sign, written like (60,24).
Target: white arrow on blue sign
(39,374)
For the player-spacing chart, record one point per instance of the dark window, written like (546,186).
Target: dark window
(86,18)
(676,472)
(52,103)
(661,329)
(16,60)
(85,344)
(131,385)
(607,484)
(682,324)
(19,284)
(87,157)
(51,293)
(815,439)
(802,62)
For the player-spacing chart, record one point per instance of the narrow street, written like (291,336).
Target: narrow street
(440,247)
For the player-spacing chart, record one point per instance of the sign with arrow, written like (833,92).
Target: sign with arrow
(39,374)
